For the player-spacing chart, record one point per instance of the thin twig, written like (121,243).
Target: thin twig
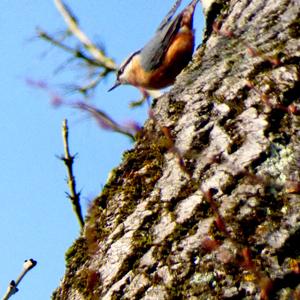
(13,285)
(106,121)
(68,159)
(76,53)
(72,23)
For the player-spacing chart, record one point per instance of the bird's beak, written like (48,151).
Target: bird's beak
(117,83)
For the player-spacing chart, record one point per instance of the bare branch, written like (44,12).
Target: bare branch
(72,23)
(76,53)
(68,159)
(107,122)
(13,285)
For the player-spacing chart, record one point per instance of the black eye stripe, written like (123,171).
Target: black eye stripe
(126,62)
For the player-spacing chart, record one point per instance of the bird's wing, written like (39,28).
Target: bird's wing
(153,52)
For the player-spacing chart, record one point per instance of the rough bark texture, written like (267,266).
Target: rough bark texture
(181,221)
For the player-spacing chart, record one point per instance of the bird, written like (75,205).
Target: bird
(158,63)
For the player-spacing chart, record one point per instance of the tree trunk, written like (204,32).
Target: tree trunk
(207,205)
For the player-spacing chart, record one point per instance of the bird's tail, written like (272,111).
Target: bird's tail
(188,14)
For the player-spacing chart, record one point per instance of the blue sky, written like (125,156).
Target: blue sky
(36,219)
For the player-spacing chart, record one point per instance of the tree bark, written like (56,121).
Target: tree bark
(207,205)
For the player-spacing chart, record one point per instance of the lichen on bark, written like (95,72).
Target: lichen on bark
(154,233)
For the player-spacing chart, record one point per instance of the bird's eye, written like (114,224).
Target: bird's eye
(120,71)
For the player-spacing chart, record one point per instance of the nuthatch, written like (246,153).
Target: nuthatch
(158,63)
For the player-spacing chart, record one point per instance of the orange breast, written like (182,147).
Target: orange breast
(176,59)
